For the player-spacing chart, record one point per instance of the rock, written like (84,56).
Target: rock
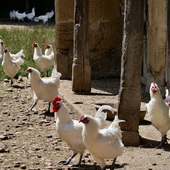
(23,166)
(17,164)
(3,148)
(3,137)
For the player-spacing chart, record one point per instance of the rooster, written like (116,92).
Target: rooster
(31,15)
(10,66)
(45,88)
(20,16)
(44,62)
(159,112)
(102,143)
(70,130)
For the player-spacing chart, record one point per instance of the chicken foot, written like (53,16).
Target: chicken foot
(67,161)
(10,83)
(112,166)
(79,162)
(163,141)
(33,105)
(49,105)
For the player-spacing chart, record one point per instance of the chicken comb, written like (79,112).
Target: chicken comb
(47,45)
(5,50)
(34,44)
(56,99)
(154,84)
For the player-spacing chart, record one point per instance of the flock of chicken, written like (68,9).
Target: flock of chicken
(108,139)
(90,132)
(31,16)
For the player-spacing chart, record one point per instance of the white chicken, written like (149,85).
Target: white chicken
(70,130)
(105,143)
(50,14)
(20,16)
(159,112)
(12,14)
(10,66)
(45,88)
(14,57)
(31,15)
(44,62)
(17,55)
(43,18)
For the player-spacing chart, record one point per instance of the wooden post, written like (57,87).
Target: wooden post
(168,47)
(81,70)
(157,43)
(130,85)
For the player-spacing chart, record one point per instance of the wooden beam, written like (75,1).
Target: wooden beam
(130,85)
(81,70)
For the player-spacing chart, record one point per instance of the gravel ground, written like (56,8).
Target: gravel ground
(30,141)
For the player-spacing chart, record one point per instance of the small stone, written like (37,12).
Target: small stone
(17,164)
(23,166)
(3,137)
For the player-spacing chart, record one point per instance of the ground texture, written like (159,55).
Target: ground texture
(30,141)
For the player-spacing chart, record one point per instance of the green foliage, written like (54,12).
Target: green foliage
(16,38)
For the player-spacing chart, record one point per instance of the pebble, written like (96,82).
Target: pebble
(3,148)
(17,164)
(23,166)
(3,137)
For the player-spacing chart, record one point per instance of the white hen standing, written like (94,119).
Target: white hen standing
(17,55)
(159,112)
(12,14)
(45,88)
(31,15)
(20,16)
(70,130)
(11,67)
(44,62)
(43,18)
(50,14)
(103,143)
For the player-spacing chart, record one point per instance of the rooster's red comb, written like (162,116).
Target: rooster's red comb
(56,99)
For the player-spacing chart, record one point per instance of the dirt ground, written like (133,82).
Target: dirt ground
(30,141)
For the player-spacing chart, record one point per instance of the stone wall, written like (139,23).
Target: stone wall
(105,37)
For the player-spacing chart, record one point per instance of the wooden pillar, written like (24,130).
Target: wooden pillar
(81,70)
(168,47)
(157,43)
(130,85)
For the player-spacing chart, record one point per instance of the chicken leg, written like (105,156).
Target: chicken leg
(112,166)
(49,105)
(163,141)
(10,83)
(33,105)
(67,161)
